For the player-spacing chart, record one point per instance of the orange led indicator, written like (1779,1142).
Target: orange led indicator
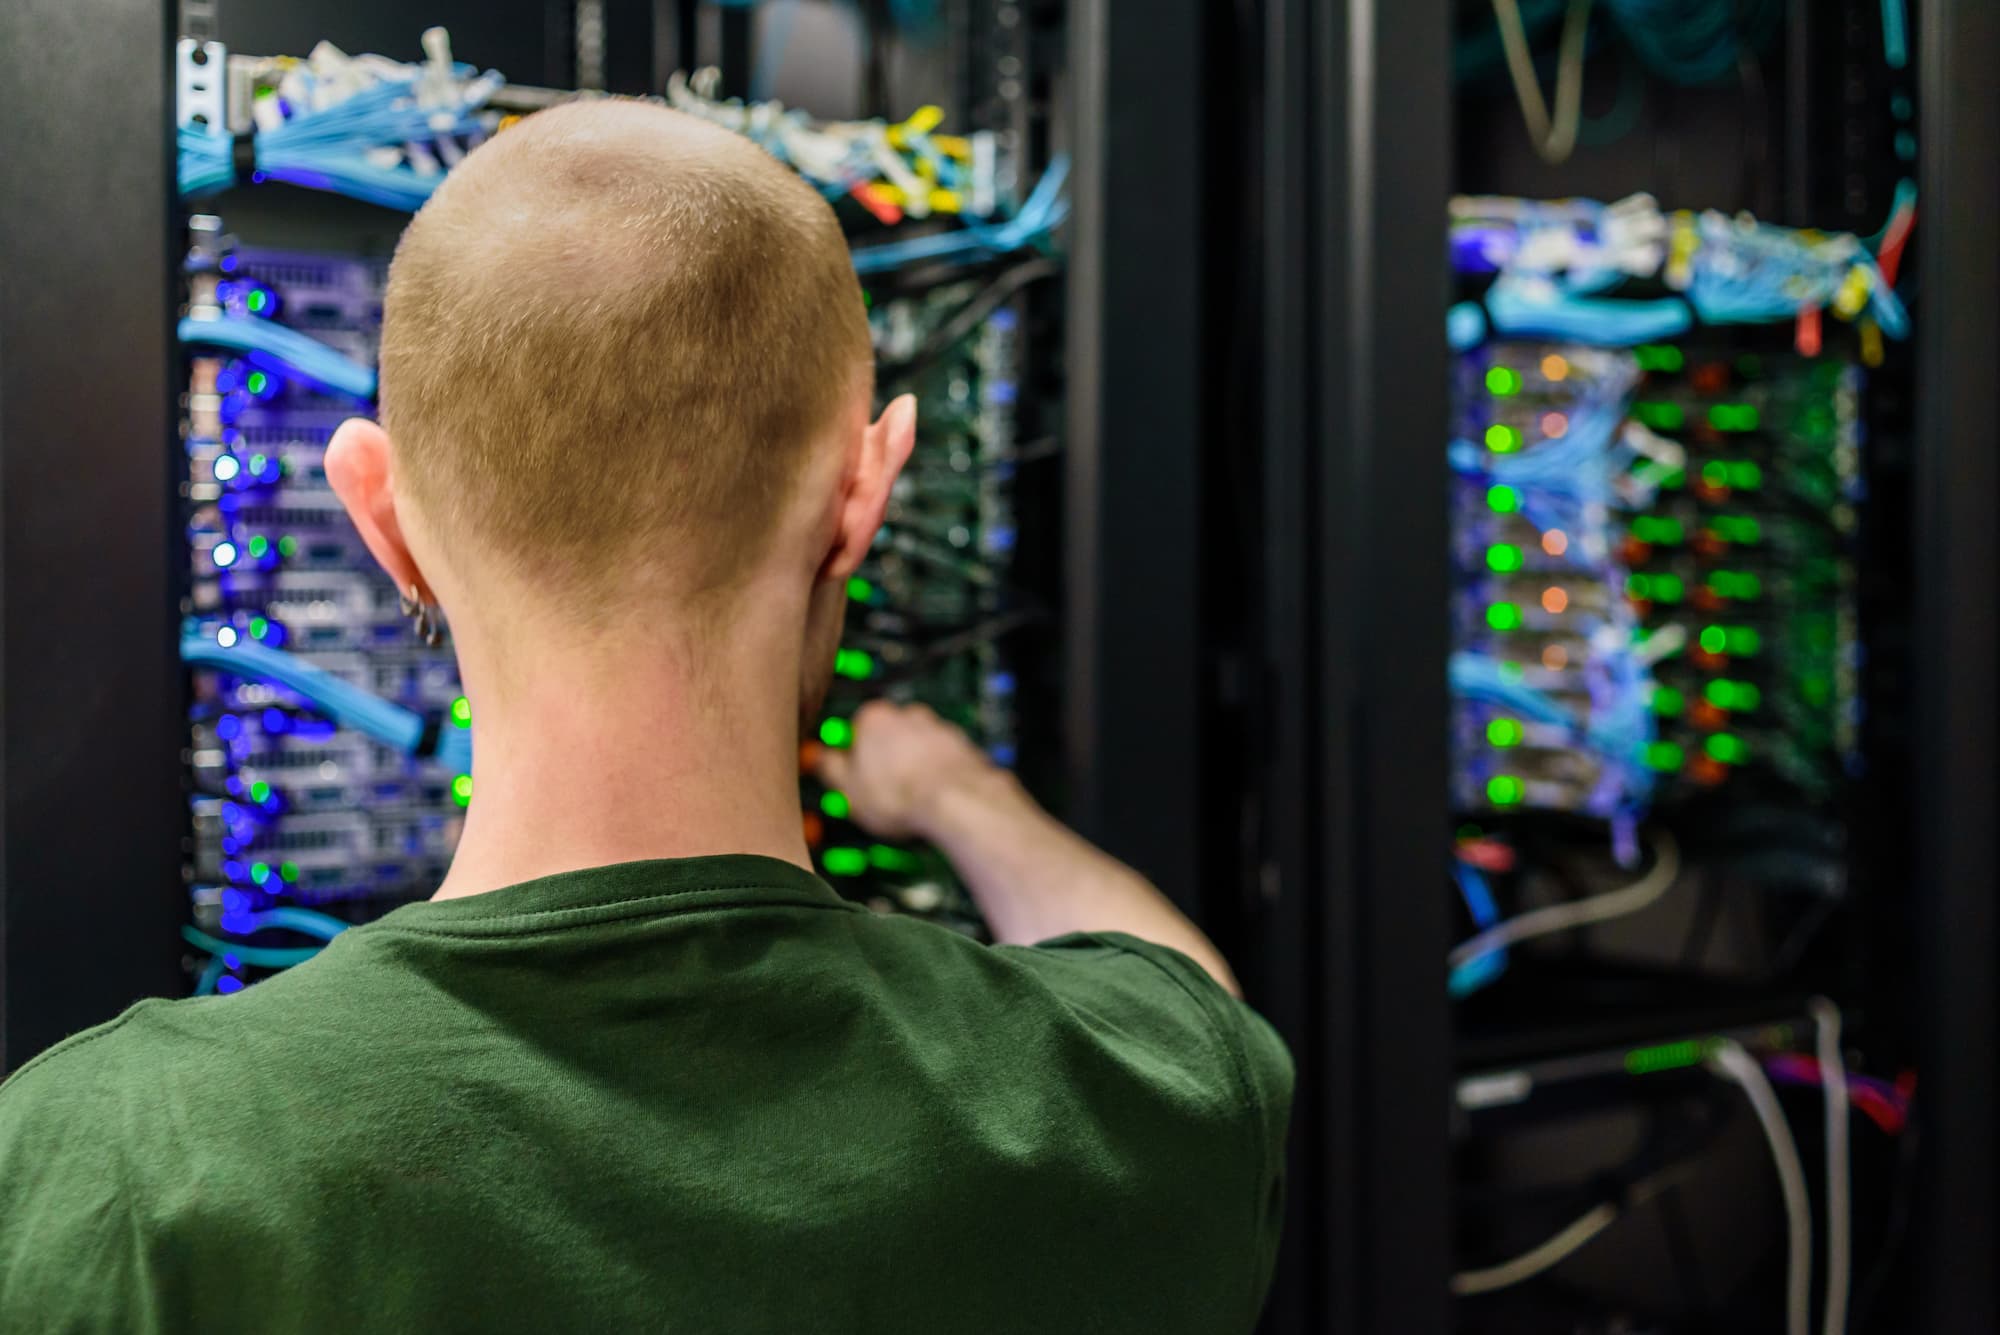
(1707,717)
(1555,542)
(1555,658)
(1555,426)
(1555,368)
(809,754)
(1708,772)
(815,829)
(1554,600)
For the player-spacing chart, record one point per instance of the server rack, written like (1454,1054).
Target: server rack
(89,597)
(1354,103)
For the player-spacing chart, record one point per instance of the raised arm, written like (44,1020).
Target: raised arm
(911,774)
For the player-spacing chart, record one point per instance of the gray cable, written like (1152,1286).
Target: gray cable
(1732,1063)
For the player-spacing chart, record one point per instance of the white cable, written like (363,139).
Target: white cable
(1642,893)
(1839,1223)
(1564,1244)
(1556,140)
(1732,1063)
(1531,1263)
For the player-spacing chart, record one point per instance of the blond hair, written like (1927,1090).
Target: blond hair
(608,342)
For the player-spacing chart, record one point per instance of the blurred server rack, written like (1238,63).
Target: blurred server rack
(1358,135)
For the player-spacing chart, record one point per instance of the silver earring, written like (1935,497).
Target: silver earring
(421,618)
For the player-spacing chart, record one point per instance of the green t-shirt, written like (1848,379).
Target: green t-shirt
(692,1096)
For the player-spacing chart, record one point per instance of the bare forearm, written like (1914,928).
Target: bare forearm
(1033,878)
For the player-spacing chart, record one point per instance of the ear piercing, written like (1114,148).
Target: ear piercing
(422,619)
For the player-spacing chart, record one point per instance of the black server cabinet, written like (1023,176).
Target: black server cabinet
(1352,105)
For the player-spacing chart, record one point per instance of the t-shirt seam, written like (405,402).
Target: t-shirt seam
(594,914)
(74,1043)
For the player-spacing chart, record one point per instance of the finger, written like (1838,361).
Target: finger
(835,768)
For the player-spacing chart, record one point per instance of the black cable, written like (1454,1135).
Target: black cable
(976,311)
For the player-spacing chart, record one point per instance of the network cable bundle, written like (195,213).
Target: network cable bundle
(1654,525)
(329,745)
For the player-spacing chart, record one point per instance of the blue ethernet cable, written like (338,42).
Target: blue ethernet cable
(343,703)
(1043,210)
(282,349)
(1480,970)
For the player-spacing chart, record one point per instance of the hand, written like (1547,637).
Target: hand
(904,759)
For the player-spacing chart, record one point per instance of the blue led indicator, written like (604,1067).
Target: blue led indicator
(1003,753)
(232,961)
(228,264)
(229,727)
(228,983)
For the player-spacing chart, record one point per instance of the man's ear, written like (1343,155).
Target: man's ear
(357,468)
(885,447)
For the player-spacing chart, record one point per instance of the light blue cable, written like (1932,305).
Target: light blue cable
(264,957)
(307,922)
(1895,34)
(281,348)
(1477,972)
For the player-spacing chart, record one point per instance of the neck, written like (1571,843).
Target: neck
(589,753)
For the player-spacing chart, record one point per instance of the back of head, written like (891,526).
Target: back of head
(610,342)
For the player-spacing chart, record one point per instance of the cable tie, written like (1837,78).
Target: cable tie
(243,155)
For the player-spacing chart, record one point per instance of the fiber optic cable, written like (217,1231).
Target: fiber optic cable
(343,703)
(1732,1063)
(277,347)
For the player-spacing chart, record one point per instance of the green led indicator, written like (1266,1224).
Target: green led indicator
(258,546)
(1714,639)
(1666,757)
(1503,439)
(288,545)
(836,732)
(886,858)
(461,712)
(259,628)
(1732,416)
(1503,381)
(260,872)
(1660,530)
(1504,616)
(833,804)
(1675,480)
(1668,702)
(1505,790)
(1502,500)
(1639,585)
(1743,640)
(461,790)
(853,664)
(1715,473)
(844,861)
(1727,748)
(257,382)
(1504,557)
(860,590)
(1740,529)
(1668,1056)
(289,871)
(1658,357)
(1817,688)
(1505,732)
(257,300)
(260,791)
(1745,475)
(1661,416)
(1668,588)
(257,462)
(1735,584)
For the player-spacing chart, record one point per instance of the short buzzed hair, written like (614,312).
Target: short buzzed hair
(612,334)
